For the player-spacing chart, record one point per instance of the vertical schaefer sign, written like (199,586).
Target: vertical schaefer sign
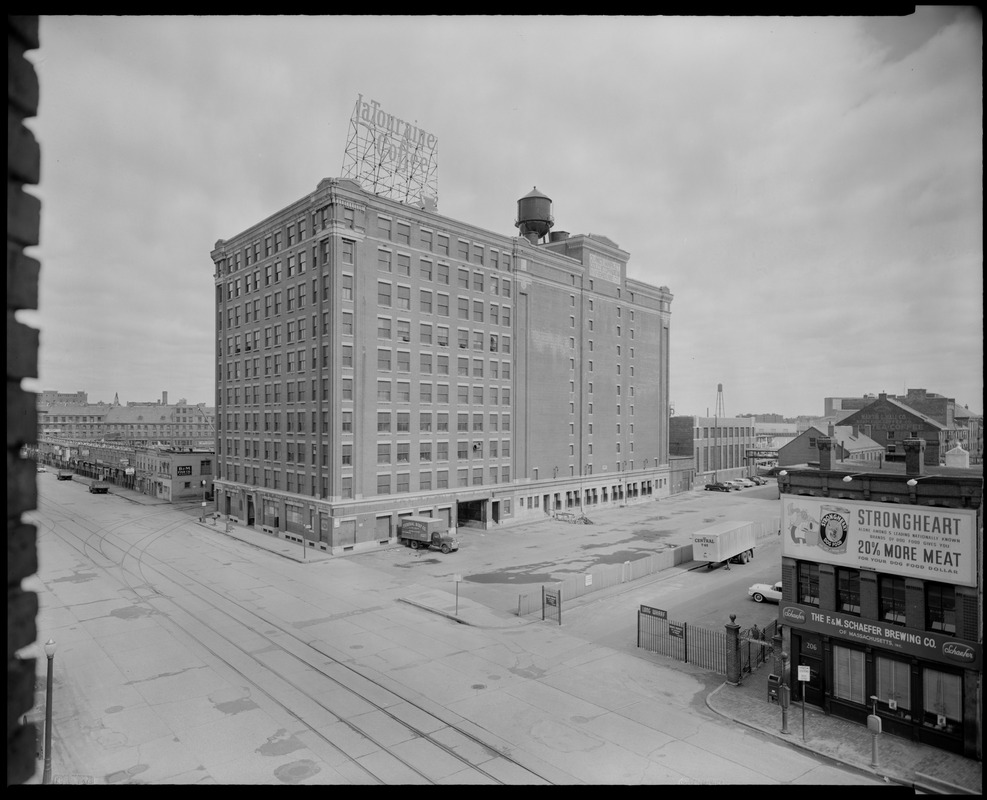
(391,157)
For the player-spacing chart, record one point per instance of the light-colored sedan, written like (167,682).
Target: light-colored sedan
(746,482)
(762,591)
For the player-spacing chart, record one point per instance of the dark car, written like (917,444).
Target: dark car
(759,480)
(718,487)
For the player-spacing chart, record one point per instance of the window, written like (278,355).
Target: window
(425,301)
(404,330)
(848,591)
(891,599)
(425,269)
(384,391)
(383,294)
(347,455)
(384,360)
(383,227)
(808,584)
(383,484)
(893,682)
(849,677)
(463,305)
(404,456)
(404,264)
(403,233)
(940,608)
(425,333)
(383,453)
(942,699)
(348,250)
(463,278)
(425,363)
(425,422)
(425,393)
(404,298)
(442,271)
(383,328)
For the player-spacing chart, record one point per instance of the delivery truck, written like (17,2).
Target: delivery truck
(99,487)
(65,474)
(725,542)
(426,532)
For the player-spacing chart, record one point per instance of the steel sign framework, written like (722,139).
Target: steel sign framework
(391,157)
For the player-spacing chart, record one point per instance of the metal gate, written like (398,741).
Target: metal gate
(701,646)
(756,646)
(692,644)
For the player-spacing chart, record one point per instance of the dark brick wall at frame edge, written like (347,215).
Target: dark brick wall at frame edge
(23,227)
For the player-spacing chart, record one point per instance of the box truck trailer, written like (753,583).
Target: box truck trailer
(725,542)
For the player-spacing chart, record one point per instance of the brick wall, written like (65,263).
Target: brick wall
(23,225)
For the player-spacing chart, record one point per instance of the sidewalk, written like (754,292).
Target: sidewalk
(927,769)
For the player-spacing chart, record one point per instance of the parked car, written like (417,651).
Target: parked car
(762,591)
(734,484)
(746,482)
(759,481)
(717,487)
(41,469)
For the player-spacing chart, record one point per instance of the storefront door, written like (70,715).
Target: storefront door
(808,649)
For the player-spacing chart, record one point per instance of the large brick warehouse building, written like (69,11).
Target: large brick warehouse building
(375,360)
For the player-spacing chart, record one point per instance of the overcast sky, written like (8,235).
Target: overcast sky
(809,189)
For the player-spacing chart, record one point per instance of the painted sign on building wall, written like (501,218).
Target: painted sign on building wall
(927,645)
(933,544)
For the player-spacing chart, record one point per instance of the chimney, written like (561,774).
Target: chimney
(825,446)
(914,456)
(832,430)
(866,430)
(164,398)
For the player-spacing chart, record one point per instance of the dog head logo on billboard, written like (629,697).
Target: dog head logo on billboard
(833,528)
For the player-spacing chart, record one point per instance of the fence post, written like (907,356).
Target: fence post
(543,603)
(733,651)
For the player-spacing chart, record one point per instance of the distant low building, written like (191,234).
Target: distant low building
(135,424)
(720,446)
(849,444)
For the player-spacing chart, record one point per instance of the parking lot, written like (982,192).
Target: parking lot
(495,566)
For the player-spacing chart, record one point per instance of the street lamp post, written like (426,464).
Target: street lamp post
(50,652)
(203,517)
(305,543)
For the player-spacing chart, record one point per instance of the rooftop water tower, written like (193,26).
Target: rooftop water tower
(534,216)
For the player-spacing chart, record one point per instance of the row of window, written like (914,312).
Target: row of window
(303,453)
(464,451)
(399,297)
(296,422)
(387,483)
(399,231)
(939,606)
(389,329)
(475,280)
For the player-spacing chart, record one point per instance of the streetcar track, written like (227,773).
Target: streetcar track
(197,588)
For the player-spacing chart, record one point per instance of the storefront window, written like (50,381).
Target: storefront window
(894,684)
(850,678)
(942,699)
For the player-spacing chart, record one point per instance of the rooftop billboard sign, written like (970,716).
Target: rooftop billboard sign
(933,544)
(391,157)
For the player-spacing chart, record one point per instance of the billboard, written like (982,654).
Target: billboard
(391,157)
(933,544)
